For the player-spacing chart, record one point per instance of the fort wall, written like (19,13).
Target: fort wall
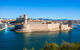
(53,27)
(65,27)
(38,27)
(44,27)
(26,27)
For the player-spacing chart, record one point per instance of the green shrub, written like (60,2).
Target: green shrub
(32,49)
(63,46)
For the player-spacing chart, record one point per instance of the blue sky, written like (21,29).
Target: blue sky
(53,9)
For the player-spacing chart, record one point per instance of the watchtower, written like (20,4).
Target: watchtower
(25,19)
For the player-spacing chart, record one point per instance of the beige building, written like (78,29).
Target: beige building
(43,26)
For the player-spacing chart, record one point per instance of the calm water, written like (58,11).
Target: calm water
(17,41)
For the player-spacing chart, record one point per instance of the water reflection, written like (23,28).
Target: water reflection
(38,39)
(18,41)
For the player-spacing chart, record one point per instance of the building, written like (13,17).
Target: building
(38,27)
(21,19)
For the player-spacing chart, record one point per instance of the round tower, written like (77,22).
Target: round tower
(25,19)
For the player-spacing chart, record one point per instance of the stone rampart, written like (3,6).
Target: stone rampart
(44,27)
(65,27)
(38,27)
(53,27)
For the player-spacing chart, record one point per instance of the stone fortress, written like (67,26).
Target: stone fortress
(35,26)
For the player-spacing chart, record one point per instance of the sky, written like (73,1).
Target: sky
(52,9)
